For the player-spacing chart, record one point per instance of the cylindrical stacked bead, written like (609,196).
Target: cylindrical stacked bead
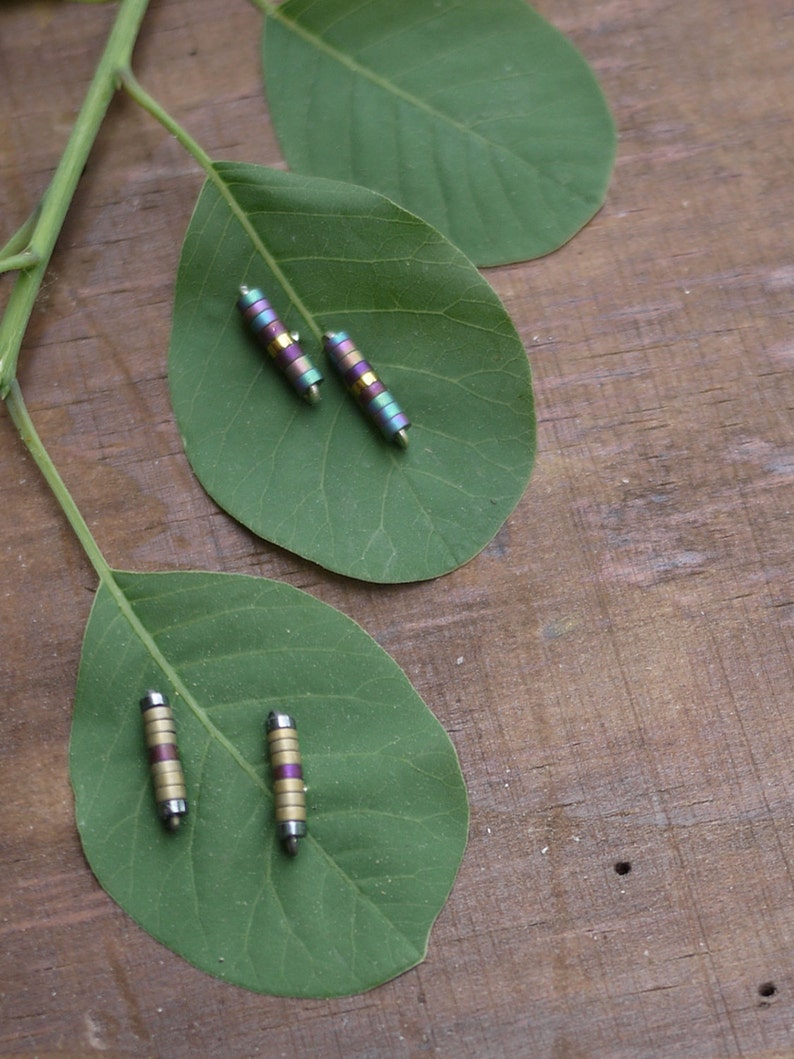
(366,388)
(167,776)
(288,788)
(282,347)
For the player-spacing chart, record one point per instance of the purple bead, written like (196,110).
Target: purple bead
(288,772)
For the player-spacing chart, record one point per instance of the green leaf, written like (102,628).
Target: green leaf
(477,115)
(386,802)
(320,480)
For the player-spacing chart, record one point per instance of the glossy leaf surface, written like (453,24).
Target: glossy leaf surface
(320,480)
(386,802)
(475,114)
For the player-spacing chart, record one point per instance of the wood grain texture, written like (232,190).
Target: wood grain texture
(615,669)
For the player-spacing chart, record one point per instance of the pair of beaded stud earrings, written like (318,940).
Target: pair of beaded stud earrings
(360,380)
(170,792)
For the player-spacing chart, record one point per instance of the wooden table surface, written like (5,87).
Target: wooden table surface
(615,669)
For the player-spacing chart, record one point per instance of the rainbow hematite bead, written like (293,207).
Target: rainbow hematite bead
(287,355)
(288,789)
(167,777)
(366,388)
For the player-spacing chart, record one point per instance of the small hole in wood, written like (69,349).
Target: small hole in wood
(622,867)
(767,989)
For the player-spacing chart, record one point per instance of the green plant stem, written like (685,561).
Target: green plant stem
(59,194)
(132,86)
(21,418)
(137,92)
(19,262)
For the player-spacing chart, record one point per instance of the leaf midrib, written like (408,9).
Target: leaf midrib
(125,605)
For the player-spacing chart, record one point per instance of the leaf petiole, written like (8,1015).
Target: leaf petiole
(137,92)
(21,418)
(18,246)
(19,262)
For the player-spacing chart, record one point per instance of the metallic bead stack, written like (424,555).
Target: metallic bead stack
(367,389)
(169,781)
(290,794)
(282,347)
